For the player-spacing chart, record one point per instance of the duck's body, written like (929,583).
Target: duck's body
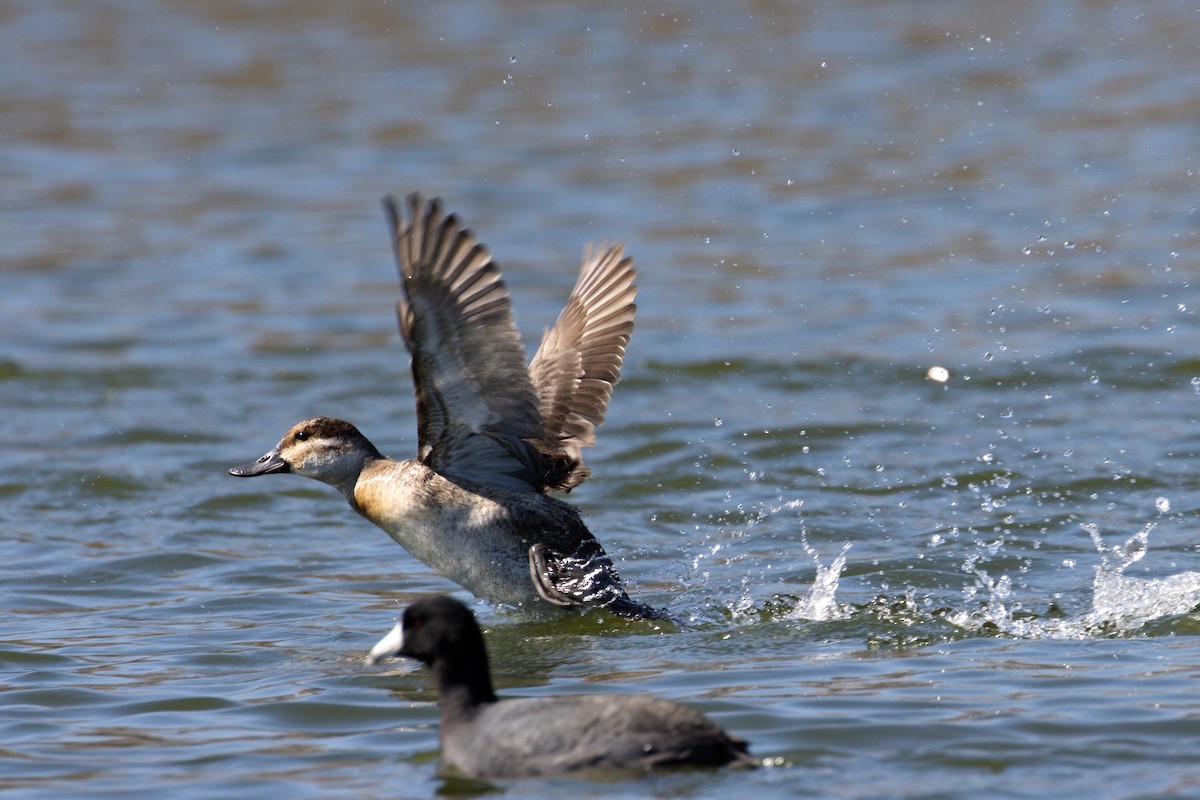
(470,538)
(493,436)
(486,737)
(478,536)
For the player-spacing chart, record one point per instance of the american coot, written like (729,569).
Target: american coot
(493,437)
(488,738)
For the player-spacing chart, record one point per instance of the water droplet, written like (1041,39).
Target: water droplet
(718,422)
(1163,505)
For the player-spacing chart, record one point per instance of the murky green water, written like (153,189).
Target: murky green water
(823,204)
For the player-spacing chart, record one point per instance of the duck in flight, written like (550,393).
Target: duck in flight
(494,437)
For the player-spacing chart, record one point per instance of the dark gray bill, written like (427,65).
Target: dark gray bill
(269,463)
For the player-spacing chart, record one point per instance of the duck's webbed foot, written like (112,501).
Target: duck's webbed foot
(584,579)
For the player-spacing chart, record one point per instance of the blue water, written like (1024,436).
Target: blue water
(823,204)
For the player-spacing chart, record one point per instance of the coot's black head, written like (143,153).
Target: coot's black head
(442,632)
(439,628)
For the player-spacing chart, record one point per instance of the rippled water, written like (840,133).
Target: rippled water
(823,204)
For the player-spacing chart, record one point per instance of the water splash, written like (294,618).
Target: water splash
(821,603)
(1125,603)
(1120,603)
(998,592)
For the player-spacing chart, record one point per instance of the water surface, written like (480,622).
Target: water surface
(823,204)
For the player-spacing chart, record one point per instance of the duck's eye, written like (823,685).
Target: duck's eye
(302,436)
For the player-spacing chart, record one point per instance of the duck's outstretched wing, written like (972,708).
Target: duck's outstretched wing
(477,412)
(579,361)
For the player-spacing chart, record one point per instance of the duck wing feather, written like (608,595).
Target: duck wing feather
(477,412)
(579,361)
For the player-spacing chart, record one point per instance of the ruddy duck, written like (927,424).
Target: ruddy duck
(493,437)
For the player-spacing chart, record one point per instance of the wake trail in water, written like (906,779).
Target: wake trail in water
(1120,603)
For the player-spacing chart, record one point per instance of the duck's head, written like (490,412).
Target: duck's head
(329,450)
